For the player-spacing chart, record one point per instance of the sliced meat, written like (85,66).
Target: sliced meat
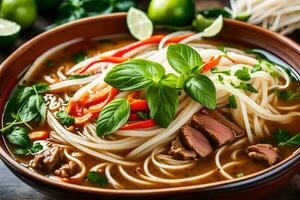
(180,152)
(193,139)
(67,170)
(214,129)
(48,159)
(215,114)
(264,152)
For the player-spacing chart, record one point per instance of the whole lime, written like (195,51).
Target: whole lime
(171,12)
(23,12)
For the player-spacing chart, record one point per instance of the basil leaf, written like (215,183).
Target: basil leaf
(281,136)
(36,148)
(169,80)
(135,74)
(247,87)
(41,87)
(21,151)
(232,102)
(113,116)
(256,68)
(64,118)
(19,136)
(34,109)
(79,57)
(183,58)
(19,97)
(202,89)
(214,70)
(295,140)
(243,74)
(221,79)
(95,177)
(163,102)
(78,76)
(181,80)
(223,49)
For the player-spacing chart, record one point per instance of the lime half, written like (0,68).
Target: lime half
(213,29)
(9,32)
(140,26)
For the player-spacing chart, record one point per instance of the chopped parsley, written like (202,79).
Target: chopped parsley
(64,118)
(232,102)
(95,177)
(79,56)
(243,74)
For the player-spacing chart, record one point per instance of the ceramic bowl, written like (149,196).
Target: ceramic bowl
(251,187)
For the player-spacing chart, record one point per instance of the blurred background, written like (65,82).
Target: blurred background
(28,18)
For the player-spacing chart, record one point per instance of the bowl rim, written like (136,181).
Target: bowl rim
(271,173)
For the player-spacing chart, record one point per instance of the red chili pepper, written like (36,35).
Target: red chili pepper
(98,97)
(178,38)
(152,40)
(138,125)
(134,117)
(211,64)
(75,109)
(97,108)
(111,59)
(39,135)
(85,118)
(137,104)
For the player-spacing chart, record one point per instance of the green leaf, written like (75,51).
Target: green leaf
(79,56)
(36,148)
(78,76)
(202,89)
(214,70)
(169,80)
(295,140)
(41,88)
(239,175)
(183,58)
(143,116)
(247,87)
(95,177)
(221,79)
(256,68)
(223,49)
(182,80)
(281,135)
(19,136)
(243,74)
(135,74)
(232,102)
(289,95)
(113,116)
(163,102)
(34,109)
(64,118)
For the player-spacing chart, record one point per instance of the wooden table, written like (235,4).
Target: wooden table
(11,188)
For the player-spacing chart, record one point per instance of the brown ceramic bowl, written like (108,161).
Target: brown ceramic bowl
(250,187)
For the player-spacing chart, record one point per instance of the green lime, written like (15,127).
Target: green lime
(9,32)
(243,16)
(171,12)
(22,12)
(201,23)
(140,26)
(214,29)
(47,5)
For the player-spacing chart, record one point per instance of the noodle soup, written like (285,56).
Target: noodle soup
(159,113)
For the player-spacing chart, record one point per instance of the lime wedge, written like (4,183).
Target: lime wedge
(140,26)
(9,32)
(243,16)
(213,29)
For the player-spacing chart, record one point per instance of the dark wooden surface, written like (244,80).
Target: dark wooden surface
(11,188)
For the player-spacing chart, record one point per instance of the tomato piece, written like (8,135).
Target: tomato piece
(39,135)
